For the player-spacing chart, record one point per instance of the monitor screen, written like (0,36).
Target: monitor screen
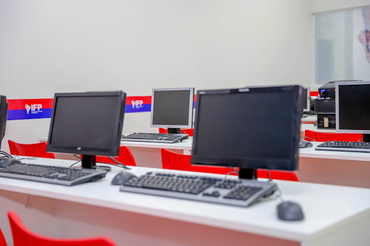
(250,128)
(88,124)
(352,107)
(172,108)
(3,116)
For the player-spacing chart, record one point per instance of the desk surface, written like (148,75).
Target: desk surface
(333,155)
(326,207)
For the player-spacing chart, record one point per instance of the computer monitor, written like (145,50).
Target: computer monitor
(306,100)
(3,116)
(249,128)
(88,124)
(172,108)
(352,109)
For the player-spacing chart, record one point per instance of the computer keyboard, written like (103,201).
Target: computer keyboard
(236,192)
(155,137)
(51,174)
(344,146)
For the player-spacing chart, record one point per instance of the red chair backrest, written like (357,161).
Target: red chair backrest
(125,157)
(331,136)
(163,130)
(280,175)
(188,131)
(34,150)
(23,236)
(2,239)
(176,161)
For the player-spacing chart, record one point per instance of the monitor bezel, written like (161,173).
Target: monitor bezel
(337,109)
(292,160)
(113,150)
(3,116)
(189,124)
(307,109)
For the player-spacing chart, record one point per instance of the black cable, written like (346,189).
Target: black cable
(5,154)
(119,163)
(308,137)
(74,163)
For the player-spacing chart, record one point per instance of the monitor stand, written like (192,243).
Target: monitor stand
(174,130)
(89,161)
(247,173)
(366,138)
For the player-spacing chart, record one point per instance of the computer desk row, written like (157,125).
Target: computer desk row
(334,215)
(326,167)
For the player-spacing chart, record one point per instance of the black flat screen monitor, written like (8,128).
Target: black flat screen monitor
(3,116)
(352,109)
(172,108)
(88,124)
(306,100)
(249,128)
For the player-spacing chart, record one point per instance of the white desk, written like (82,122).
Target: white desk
(334,215)
(334,167)
(149,154)
(325,167)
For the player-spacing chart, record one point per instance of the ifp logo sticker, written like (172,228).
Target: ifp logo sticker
(25,109)
(136,104)
(33,108)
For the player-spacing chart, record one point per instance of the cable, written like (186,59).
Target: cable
(119,163)
(5,154)
(308,137)
(74,163)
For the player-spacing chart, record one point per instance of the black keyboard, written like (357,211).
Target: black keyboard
(234,192)
(51,174)
(155,137)
(344,146)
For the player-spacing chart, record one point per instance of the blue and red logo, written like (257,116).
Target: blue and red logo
(138,104)
(24,109)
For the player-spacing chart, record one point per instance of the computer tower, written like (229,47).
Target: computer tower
(325,121)
(324,106)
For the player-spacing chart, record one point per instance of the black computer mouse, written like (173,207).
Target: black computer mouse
(121,178)
(289,211)
(9,161)
(305,144)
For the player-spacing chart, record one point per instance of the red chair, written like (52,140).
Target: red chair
(125,157)
(2,239)
(188,131)
(163,130)
(331,136)
(34,150)
(279,175)
(176,161)
(22,236)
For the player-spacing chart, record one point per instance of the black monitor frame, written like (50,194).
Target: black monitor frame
(180,100)
(3,116)
(306,100)
(219,110)
(355,96)
(95,110)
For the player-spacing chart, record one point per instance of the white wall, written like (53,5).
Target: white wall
(49,46)
(329,5)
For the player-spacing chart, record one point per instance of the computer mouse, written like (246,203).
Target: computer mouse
(305,144)
(121,178)
(8,161)
(289,211)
